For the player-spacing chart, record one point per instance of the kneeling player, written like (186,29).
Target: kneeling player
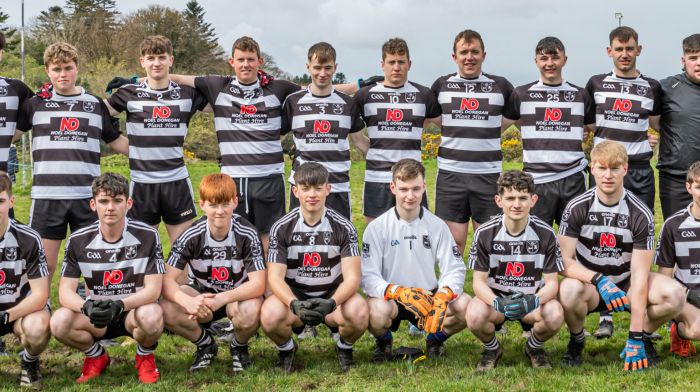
(675,256)
(313,272)
(400,250)
(607,242)
(121,261)
(226,276)
(24,286)
(516,258)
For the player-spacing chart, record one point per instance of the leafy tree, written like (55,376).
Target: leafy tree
(11,36)
(339,78)
(270,66)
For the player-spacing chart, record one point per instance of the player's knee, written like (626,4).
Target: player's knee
(553,315)
(272,314)
(570,292)
(149,318)
(356,311)
(61,322)
(171,312)
(248,316)
(37,330)
(379,313)
(477,315)
(458,307)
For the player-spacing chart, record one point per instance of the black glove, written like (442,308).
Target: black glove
(693,297)
(118,81)
(115,123)
(304,310)
(517,305)
(323,306)
(104,311)
(4,317)
(369,81)
(88,307)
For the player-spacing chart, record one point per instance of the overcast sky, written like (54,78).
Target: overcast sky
(510,28)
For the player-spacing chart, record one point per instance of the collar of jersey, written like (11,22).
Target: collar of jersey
(59,97)
(225,241)
(625,78)
(481,75)
(102,238)
(144,86)
(244,86)
(398,217)
(624,194)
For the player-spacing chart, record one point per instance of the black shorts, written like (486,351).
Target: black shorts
(640,181)
(460,197)
(601,302)
(261,200)
(7,328)
(378,199)
(117,328)
(337,201)
(525,326)
(300,295)
(674,197)
(404,315)
(173,201)
(554,196)
(51,217)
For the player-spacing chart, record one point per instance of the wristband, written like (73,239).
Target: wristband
(596,278)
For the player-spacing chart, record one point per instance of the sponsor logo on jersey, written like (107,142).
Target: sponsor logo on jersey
(487,87)
(532,247)
(622,105)
(499,247)
(607,240)
(592,218)
(642,90)
(11,254)
(552,114)
(52,105)
(296,238)
(93,255)
(69,124)
(338,108)
(142,94)
(2,277)
(608,86)
(426,241)
(410,97)
(234,90)
(514,268)
(469,104)
(322,126)
(273,242)
(219,274)
(88,106)
(112,277)
(175,94)
(311,259)
(455,86)
(536,96)
(248,109)
(3,91)
(305,108)
(376,96)
(569,96)
(130,252)
(394,115)
(687,234)
(161,112)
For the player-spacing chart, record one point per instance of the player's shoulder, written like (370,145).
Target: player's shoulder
(338,219)
(23,233)
(14,83)
(421,88)
(137,227)
(243,225)
(675,220)
(496,78)
(541,227)
(523,89)
(198,228)
(599,78)
(433,221)
(442,80)
(288,219)
(638,207)
(574,86)
(85,233)
(672,81)
(581,202)
(383,223)
(491,225)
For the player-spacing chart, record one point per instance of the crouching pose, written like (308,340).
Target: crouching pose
(226,276)
(400,250)
(607,242)
(122,263)
(515,258)
(313,272)
(24,286)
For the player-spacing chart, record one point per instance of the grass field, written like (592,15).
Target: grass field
(316,362)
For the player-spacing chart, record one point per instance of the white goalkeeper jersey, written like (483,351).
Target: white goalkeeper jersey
(406,253)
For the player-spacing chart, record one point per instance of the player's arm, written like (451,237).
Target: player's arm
(120,145)
(638,292)
(506,123)
(112,111)
(276,283)
(550,289)
(481,287)
(185,80)
(194,306)
(34,302)
(437,121)
(152,287)
(253,288)
(360,141)
(666,271)
(572,268)
(350,267)
(449,260)
(588,129)
(67,295)
(373,283)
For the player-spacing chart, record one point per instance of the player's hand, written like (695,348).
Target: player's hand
(369,81)
(652,139)
(517,305)
(415,299)
(197,306)
(104,311)
(615,298)
(304,310)
(499,305)
(436,317)
(4,317)
(212,301)
(118,81)
(693,297)
(322,305)
(634,354)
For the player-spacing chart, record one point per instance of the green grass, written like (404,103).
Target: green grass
(316,359)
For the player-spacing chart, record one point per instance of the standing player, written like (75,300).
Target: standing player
(515,253)
(627,103)
(469,158)
(313,272)
(394,111)
(676,258)
(227,276)
(321,120)
(400,251)
(67,125)
(607,241)
(551,114)
(158,113)
(24,286)
(121,261)
(680,121)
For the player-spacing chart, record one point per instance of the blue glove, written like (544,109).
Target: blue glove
(634,353)
(499,305)
(517,305)
(615,298)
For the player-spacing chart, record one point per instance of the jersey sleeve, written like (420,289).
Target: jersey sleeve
(287,116)
(572,219)
(643,231)
(277,249)
(156,264)
(23,92)
(37,266)
(449,260)
(665,255)
(25,115)
(283,88)
(511,110)
(358,123)
(361,98)
(373,284)
(199,100)
(553,261)
(109,134)
(70,268)
(479,259)
(211,85)
(348,241)
(252,251)
(120,99)
(657,96)
(588,108)
(432,107)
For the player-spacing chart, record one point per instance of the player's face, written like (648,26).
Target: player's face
(551,66)
(110,209)
(693,189)
(321,72)
(516,204)
(691,64)
(469,57)
(62,75)
(245,64)
(396,67)
(157,66)
(624,54)
(6,202)
(608,178)
(219,214)
(312,198)
(409,194)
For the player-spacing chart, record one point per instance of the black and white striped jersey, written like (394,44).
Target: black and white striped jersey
(113,270)
(515,262)
(22,259)
(66,133)
(248,121)
(394,117)
(552,119)
(471,122)
(156,124)
(607,235)
(623,106)
(13,94)
(679,247)
(320,126)
(313,254)
(218,266)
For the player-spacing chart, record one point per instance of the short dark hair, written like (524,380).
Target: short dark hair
(407,169)
(397,46)
(311,174)
(2,40)
(623,34)
(246,44)
(5,183)
(111,184)
(515,180)
(156,44)
(323,51)
(691,44)
(549,45)
(467,35)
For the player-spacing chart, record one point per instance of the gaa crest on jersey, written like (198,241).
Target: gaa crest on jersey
(88,106)
(130,252)
(338,108)
(426,241)
(175,93)
(569,96)
(11,254)
(642,90)
(622,221)
(326,237)
(410,97)
(3,91)
(532,247)
(487,87)
(234,90)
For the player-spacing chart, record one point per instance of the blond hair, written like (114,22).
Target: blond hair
(609,153)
